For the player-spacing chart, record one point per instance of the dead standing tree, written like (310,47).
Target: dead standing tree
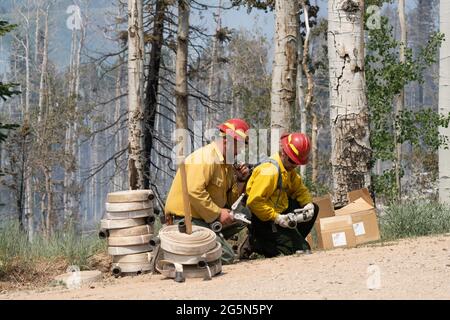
(136,159)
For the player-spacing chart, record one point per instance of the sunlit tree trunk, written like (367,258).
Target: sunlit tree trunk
(284,74)
(351,152)
(401,96)
(136,165)
(444,100)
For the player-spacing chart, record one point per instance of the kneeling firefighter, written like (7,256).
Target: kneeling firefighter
(282,210)
(213,184)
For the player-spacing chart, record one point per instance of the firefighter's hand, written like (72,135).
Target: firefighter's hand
(282,220)
(309,210)
(225,217)
(242,172)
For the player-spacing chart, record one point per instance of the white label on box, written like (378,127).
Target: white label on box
(359,228)
(339,239)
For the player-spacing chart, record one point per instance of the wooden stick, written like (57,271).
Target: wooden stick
(186,203)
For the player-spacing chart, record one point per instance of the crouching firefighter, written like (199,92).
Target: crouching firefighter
(282,210)
(214,184)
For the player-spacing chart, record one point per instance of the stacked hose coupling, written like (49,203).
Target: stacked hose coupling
(128,226)
(196,255)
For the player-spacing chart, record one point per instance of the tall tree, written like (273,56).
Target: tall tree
(284,74)
(181,67)
(401,96)
(444,100)
(351,152)
(136,159)
(152,84)
(213,78)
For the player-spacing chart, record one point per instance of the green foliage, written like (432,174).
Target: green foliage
(5,27)
(3,127)
(414,218)
(385,78)
(75,249)
(385,184)
(422,128)
(317,189)
(265,5)
(6,89)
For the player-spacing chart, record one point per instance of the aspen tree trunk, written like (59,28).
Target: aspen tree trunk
(71,183)
(300,101)
(29,194)
(44,64)
(68,134)
(181,66)
(401,96)
(36,36)
(118,183)
(351,152)
(314,148)
(444,100)
(308,99)
(284,74)
(212,82)
(136,165)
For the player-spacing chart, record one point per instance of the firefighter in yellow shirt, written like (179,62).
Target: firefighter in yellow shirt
(213,183)
(282,210)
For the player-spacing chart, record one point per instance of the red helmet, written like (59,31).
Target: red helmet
(237,128)
(297,146)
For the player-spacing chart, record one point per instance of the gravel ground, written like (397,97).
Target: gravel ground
(408,269)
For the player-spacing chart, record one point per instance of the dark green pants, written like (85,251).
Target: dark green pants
(228,255)
(271,240)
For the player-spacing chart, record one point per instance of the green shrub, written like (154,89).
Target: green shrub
(414,218)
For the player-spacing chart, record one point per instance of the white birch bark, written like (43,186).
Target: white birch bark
(444,100)
(44,65)
(135,94)
(118,183)
(284,74)
(351,153)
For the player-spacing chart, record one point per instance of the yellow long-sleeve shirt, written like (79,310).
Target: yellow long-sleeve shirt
(211,185)
(263,194)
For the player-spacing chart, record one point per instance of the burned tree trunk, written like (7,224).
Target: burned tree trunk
(151,91)
(181,65)
(351,152)
(136,161)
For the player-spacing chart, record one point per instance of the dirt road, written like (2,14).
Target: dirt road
(408,269)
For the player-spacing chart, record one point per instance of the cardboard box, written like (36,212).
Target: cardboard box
(362,212)
(364,217)
(337,232)
(326,210)
(361,193)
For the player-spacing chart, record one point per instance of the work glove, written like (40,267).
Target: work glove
(306,213)
(282,220)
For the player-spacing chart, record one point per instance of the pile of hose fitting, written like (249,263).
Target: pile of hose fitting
(183,255)
(128,227)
